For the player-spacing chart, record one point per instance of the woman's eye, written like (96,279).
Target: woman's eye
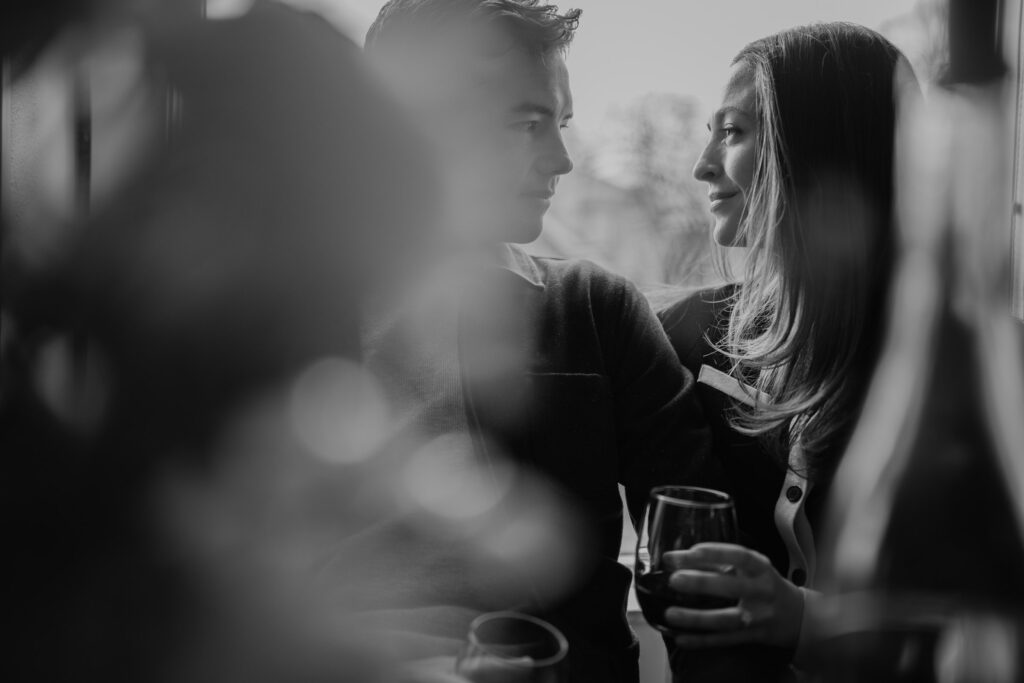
(730,131)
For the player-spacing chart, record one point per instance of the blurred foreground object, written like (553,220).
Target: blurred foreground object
(186,426)
(927,569)
(508,647)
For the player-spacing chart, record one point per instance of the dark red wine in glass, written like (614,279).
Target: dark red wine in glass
(677,518)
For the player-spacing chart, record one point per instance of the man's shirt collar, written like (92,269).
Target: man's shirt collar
(517,261)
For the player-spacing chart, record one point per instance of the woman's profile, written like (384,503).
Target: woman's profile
(799,172)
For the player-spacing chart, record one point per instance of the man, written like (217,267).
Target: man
(556,364)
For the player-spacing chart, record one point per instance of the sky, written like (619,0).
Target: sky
(625,49)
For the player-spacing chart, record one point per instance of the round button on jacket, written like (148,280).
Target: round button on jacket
(799,577)
(794,493)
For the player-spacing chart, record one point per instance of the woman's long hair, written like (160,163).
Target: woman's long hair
(804,327)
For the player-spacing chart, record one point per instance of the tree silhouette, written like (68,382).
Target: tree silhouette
(663,139)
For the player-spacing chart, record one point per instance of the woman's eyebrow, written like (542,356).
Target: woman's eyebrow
(735,110)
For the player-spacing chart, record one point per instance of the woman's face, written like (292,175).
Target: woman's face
(727,163)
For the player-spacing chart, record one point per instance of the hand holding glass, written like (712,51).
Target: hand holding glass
(677,518)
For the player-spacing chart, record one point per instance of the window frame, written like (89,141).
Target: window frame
(1013,32)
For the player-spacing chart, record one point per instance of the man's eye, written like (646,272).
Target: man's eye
(526,126)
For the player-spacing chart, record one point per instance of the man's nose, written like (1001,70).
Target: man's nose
(556,160)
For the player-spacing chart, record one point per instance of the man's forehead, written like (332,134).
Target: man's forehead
(520,75)
(456,68)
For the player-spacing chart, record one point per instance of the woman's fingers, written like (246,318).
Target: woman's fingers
(711,583)
(725,619)
(718,639)
(769,609)
(705,555)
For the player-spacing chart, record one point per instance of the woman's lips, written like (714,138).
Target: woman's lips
(720,198)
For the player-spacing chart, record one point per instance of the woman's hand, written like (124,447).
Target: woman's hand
(770,608)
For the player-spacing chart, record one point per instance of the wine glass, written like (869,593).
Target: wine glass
(509,647)
(676,518)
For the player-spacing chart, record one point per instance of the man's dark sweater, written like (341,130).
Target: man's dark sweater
(611,405)
(608,403)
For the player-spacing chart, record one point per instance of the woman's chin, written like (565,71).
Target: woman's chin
(725,232)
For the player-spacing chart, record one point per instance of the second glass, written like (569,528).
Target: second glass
(509,647)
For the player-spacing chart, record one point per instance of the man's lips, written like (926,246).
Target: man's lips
(539,194)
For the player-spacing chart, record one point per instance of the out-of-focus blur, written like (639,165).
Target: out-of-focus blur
(222,242)
(925,565)
(203,480)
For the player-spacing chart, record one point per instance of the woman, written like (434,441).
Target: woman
(799,171)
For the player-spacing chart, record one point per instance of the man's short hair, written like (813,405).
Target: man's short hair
(538,28)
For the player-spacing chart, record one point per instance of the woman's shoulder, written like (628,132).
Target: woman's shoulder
(696,321)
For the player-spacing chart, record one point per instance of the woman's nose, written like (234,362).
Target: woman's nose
(706,169)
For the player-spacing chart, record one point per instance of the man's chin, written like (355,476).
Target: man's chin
(524,231)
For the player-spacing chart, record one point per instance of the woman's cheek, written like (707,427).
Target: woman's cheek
(745,167)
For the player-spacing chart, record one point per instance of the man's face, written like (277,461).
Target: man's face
(499,131)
